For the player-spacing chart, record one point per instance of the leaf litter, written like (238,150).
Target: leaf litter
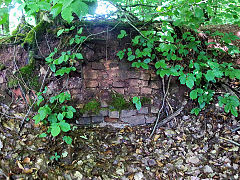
(203,147)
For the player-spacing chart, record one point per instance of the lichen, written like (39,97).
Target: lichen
(92,107)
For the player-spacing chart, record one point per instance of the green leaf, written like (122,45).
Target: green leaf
(60,32)
(67,139)
(52,67)
(37,118)
(193,94)
(55,130)
(234,111)
(52,118)
(120,54)
(65,127)
(210,75)
(122,34)
(43,135)
(60,116)
(79,8)
(80,30)
(131,57)
(79,56)
(67,14)
(199,12)
(160,63)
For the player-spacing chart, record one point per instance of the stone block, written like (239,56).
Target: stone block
(150,119)
(97,119)
(154,85)
(143,110)
(128,113)
(146,90)
(91,84)
(84,120)
(98,66)
(119,90)
(134,120)
(154,110)
(119,84)
(113,114)
(103,112)
(112,120)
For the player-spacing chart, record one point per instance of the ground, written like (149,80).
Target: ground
(203,147)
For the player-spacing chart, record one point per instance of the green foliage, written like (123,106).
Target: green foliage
(230,103)
(92,107)
(55,156)
(137,102)
(54,119)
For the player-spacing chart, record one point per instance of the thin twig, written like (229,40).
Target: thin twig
(163,104)
(231,141)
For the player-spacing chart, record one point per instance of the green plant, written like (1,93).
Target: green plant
(230,103)
(92,107)
(137,102)
(55,120)
(55,156)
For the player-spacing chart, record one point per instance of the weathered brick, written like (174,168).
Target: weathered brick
(98,66)
(154,85)
(103,112)
(133,74)
(134,120)
(113,74)
(128,113)
(91,84)
(90,74)
(143,83)
(133,90)
(113,64)
(113,114)
(84,120)
(97,119)
(134,82)
(146,90)
(150,119)
(119,90)
(119,84)
(154,110)
(143,110)
(108,119)
(144,76)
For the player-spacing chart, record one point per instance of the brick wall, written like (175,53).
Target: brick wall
(104,77)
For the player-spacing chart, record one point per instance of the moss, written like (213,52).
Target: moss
(145,100)
(92,107)
(38,30)
(12,82)
(2,66)
(118,103)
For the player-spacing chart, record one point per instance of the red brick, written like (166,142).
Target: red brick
(113,73)
(119,90)
(144,76)
(119,84)
(98,66)
(146,90)
(91,84)
(154,85)
(91,74)
(133,74)
(133,82)
(133,90)
(143,83)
